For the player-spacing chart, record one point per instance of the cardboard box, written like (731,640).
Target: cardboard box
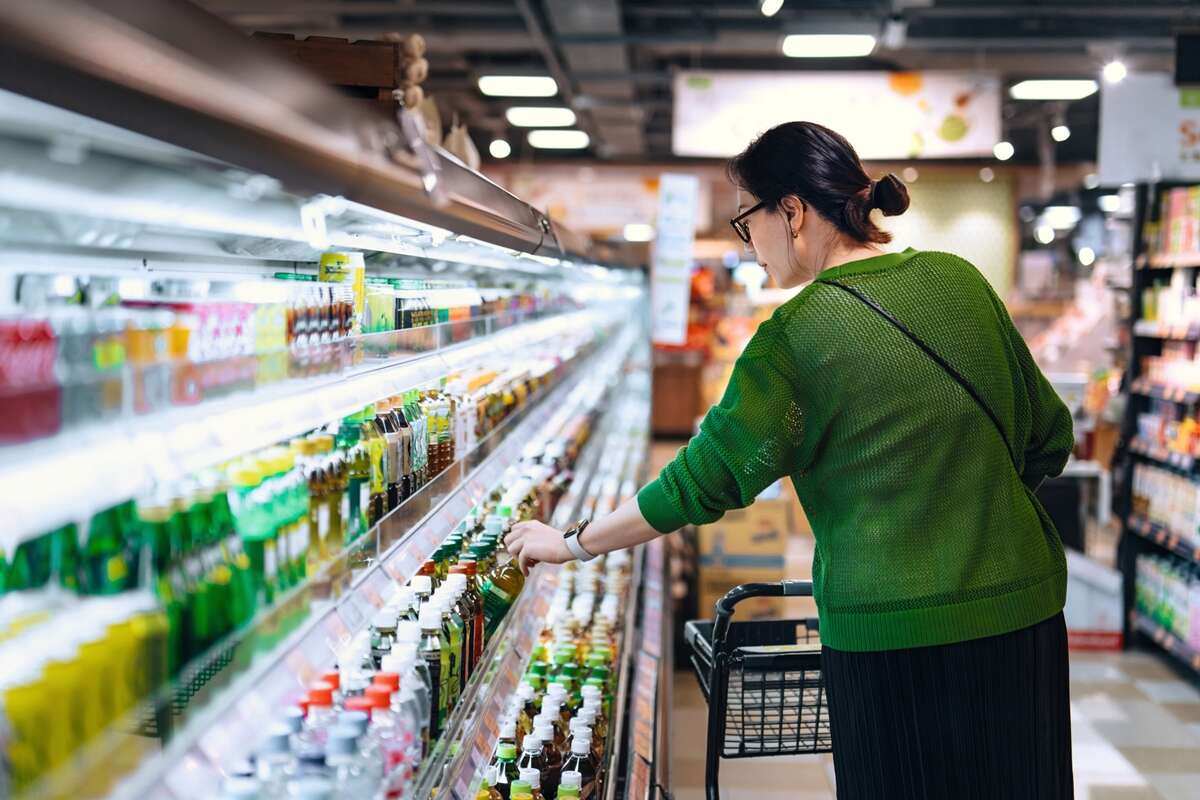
(716,581)
(1094,605)
(747,545)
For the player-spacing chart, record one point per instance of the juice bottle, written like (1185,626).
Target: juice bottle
(385,427)
(487,791)
(464,610)
(533,777)
(431,652)
(404,479)
(336,480)
(552,757)
(372,436)
(358,462)
(304,451)
(521,790)
(451,643)
(570,786)
(531,762)
(474,601)
(503,769)
(500,592)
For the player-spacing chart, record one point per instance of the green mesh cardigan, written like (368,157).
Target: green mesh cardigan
(925,533)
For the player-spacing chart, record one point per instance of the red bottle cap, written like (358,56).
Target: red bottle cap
(389,679)
(360,704)
(333,678)
(321,694)
(379,696)
(303,703)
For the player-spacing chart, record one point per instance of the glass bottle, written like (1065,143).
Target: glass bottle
(500,593)
(385,420)
(372,436)
(431,652)
(503,769)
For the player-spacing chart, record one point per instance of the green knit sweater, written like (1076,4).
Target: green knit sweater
(925,533)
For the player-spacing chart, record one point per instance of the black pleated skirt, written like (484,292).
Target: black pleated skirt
(978,720)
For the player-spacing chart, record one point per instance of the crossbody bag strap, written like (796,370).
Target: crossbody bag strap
(934,356)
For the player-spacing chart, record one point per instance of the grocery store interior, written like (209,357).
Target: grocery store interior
(304,304)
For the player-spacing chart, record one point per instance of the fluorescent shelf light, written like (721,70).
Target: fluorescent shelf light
(1053,89)
(1061,218)
(828,45)
(770,8)
(1044,234)
(500,148)
(518,86)
(1003,151)
(1087,256)
(536,117)
(1115,71)
(558,140)
(1109,203)
(638,232)
(1060,133)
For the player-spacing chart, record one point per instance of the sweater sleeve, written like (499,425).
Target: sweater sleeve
(1051,429)
(750,439)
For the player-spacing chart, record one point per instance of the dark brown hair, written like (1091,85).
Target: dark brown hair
(821,168)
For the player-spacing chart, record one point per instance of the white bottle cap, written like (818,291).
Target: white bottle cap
(579,723)
(590,691)
(551,705)
(421,584)
(431,617)
(533,776)
(508,728)
(525,691)
(408,632)
(545,732)
(580,746)
(571,777)
(532,742)
(587,714)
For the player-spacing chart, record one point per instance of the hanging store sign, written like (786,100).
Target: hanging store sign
(671,271)
(885,115)
(1149,130)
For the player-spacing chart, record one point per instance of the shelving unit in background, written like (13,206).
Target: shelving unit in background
(1143,536)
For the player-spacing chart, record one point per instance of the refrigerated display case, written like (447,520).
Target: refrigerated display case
(182,360)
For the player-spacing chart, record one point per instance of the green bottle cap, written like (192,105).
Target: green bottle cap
(594,681)
(596,659)
(506,751)
(563,657)
(539,668)
(517,787)
(570,669)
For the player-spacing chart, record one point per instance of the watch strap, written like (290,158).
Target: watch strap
(571,537)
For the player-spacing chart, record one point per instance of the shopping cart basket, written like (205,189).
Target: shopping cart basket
(762,681)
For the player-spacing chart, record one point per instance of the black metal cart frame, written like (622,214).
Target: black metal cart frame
(762,681)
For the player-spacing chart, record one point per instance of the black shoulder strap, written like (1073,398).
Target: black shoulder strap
(934,356)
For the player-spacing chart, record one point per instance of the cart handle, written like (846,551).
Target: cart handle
(737,594)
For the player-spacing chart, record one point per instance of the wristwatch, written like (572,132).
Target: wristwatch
(571,537)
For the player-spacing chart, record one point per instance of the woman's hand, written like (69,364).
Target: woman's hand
(534,542)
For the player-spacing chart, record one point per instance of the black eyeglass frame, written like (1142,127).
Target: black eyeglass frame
(740,227)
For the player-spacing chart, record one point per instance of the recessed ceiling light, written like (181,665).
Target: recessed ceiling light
(518,86)
(1087,256)
(1091,180)
(538,117)
(1053,89)
(1060,133)
(638,232)
(500,148)
(770,8)
(1109,203)
(558,139)
(987,174)
(1003,151)
(1115,71)
(828,45)
(910,174)
(1044,234)
(1061,218)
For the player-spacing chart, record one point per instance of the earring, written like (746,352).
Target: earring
(795,234)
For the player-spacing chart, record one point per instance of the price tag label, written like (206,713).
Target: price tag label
(353,612)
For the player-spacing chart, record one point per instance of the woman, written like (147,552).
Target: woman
(909,414)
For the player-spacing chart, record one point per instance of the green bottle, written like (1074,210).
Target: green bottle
(110,551)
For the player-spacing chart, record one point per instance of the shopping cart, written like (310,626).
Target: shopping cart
(762,681)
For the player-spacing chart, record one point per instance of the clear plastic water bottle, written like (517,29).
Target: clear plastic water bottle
(347,767)
(273,760)
(367,746)
(310,788)
(240,788)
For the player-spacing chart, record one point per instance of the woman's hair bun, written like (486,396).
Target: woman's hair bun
(890,195)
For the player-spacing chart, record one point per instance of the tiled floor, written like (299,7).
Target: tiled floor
(1136,733)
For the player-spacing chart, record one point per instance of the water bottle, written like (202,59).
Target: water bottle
(273,760)
(348,768)
(367,745)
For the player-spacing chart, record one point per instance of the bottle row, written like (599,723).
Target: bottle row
(164,578)
(1177,229)
(1167,426)
(84,349)
(1169,499)
(1167,590)
(1175,368)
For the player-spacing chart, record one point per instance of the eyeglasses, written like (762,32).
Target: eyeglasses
(739,224)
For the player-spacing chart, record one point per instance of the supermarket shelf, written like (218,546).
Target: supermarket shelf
(1166,640)
(1163,456)
(1164,537)
(1145,388)
(52,481)
(1151,329)
(1169,260)
(180,76)
(229,723)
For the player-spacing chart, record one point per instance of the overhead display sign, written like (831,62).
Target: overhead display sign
(885,115)
(671,268)
(1149,130)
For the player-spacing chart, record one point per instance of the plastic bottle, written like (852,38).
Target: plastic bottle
(552,757)
(527,698)
(457,632)
(503,769)
(321,713)
(499,593)
(368,746)
(521,790)
(466,567)
(464,609)
(422,588)
(415,695)
(531,758)
(534,778)
(487,791)
(431,653)
(349,770)
(570,785)
(273,759)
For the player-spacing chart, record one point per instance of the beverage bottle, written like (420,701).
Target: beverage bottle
(531,758)
(499,593)
(580,760)
(534,778)
(349,770)
(358,460)
(372,436)
(383,635)
(465,612)
(422,588)
(508,732)
(336,481)
(553,706)
(451,633)
(321,714)
(521,790)
(385,423)
(552,757)
(373,758)
(407,704)
(273,759)
(487,791)
(404,466)
(527,697)
(431,653)
(474,600)
(503,769)
(570,785)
